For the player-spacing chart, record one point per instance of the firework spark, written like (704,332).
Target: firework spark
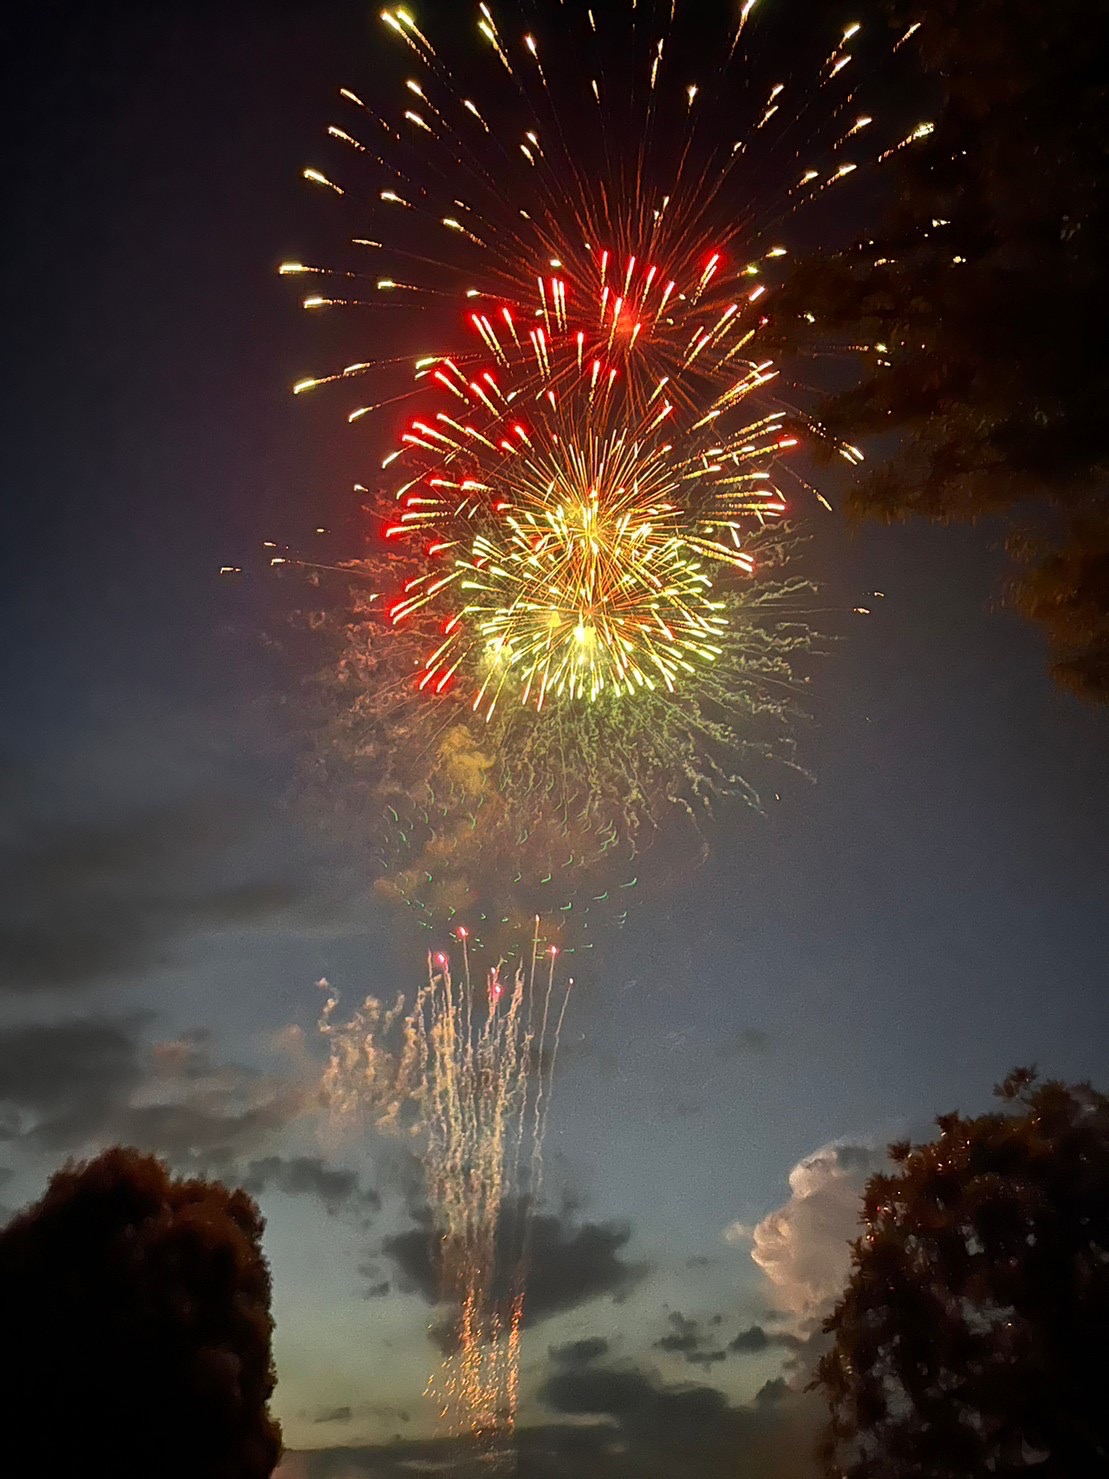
(547,811)
(469,1070)
(576,623)
(647,207)
(575,549)
(573,624)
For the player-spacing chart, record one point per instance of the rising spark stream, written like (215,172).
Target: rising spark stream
(467,1068)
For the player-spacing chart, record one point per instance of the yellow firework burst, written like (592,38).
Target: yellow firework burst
(574,546)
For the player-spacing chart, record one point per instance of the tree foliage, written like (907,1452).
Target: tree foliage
(983,301)
(971,1339)
(136,1328)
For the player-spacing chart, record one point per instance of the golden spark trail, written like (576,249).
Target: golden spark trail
(468,1069)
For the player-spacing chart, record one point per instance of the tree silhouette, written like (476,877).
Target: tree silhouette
(135,1336)
(983,300)
(971,1339)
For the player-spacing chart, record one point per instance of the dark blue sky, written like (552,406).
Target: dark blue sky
(884,944)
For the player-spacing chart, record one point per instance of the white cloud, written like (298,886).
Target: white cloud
(739,1232)
(802,1248)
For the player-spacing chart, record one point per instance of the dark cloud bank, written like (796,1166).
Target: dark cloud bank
(71,1087)
(611,1422)
(92,892)
(570,1262)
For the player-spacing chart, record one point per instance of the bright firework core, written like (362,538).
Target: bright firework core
(590,584)
(581,544)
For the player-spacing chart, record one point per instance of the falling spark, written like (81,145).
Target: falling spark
(468,1068)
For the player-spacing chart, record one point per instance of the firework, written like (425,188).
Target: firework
(574,623)
(577,623)
(574,542)
(622,178)
(564,555)
(468,1069)
(548,810)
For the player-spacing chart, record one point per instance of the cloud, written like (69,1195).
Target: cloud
(569,1264)
(620,1424)
(777,1389)
(631,1396)
(77,1085)
(382,1413)
(61,1081)
(573,1262)
(739,1232)
(303,1175)
(697,1342)
(757,1339)
(608,1421)
(579,1352)
(686,1338)
(212,1117)
(802,1248)
(684,1429)
(103,898)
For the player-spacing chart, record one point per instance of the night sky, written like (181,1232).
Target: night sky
(882,945)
